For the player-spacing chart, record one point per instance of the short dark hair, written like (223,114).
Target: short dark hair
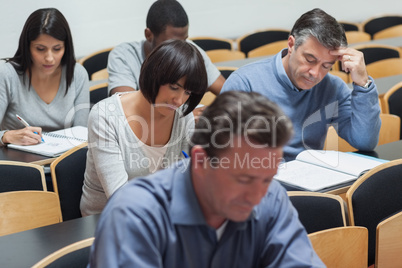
(163,13)
(239,113)
(167,64)
(320,25)
(48,21)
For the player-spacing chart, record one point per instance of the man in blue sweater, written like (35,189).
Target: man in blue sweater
(297,79)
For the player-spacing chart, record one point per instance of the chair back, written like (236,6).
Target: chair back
(344,76)
(378,23)
(389,242)
(100,75)
(318,211)
(212,43)
(389,132)
(392,102)
(342,246)
(68,178)
(390,32)
(98,93)
(268,49)
(218,55)
(373,53)
(24,210)
(226,71)
(256,39)
(350,26)
(384,68)
(74,255)
(20,176)
(95,61)
(335,143)
(357,37)
(390,128)
(208,98)
(373,197)
(376,52)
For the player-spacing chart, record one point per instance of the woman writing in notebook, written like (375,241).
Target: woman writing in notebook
(42,83)
(138,132)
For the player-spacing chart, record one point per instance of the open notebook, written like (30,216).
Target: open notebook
(320,171)
(56,142)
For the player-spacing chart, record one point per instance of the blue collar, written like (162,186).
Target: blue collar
(185,208)
(281,73)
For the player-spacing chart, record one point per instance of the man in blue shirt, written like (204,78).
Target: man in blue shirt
(297,79)
(219,208)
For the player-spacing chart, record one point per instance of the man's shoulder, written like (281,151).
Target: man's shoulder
(128,48)
(256,67)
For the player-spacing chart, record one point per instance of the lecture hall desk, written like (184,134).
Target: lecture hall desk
(26,248)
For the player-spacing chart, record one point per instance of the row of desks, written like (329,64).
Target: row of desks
(26,248)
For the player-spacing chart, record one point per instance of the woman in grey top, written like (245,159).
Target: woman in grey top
(42,82)
(138,132)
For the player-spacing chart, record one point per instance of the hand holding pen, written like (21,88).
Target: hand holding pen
(25,123)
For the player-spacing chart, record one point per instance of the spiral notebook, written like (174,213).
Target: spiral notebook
(56,142)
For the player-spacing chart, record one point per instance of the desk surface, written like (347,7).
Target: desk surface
(24,249)
(394,41)
(17,155)
(385,83)
(389,151)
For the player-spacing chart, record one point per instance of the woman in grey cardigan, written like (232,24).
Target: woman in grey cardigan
(138,132)
(42,83)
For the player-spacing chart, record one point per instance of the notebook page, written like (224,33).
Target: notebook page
(349,163)
(310,177)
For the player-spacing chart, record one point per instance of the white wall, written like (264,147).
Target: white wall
(97,24)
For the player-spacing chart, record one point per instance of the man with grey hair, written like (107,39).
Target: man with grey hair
(221,208)
(297,79)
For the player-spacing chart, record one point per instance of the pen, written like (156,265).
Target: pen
(25,123)
(184,153)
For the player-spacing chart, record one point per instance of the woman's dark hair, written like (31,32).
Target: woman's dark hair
(167,64)
(48,21)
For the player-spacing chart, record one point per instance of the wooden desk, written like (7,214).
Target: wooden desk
(395,41)
(239,63)
(17,155)
(24,249)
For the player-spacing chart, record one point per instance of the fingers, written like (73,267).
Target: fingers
(352,62)
(25,136)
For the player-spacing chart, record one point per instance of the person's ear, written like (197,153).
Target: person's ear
(291,44)
(149,35)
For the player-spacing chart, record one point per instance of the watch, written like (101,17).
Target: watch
(368,83)
(1,137)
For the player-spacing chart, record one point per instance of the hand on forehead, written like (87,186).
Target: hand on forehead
(339,52)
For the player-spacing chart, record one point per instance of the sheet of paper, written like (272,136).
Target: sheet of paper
(350,163)
(311,177)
